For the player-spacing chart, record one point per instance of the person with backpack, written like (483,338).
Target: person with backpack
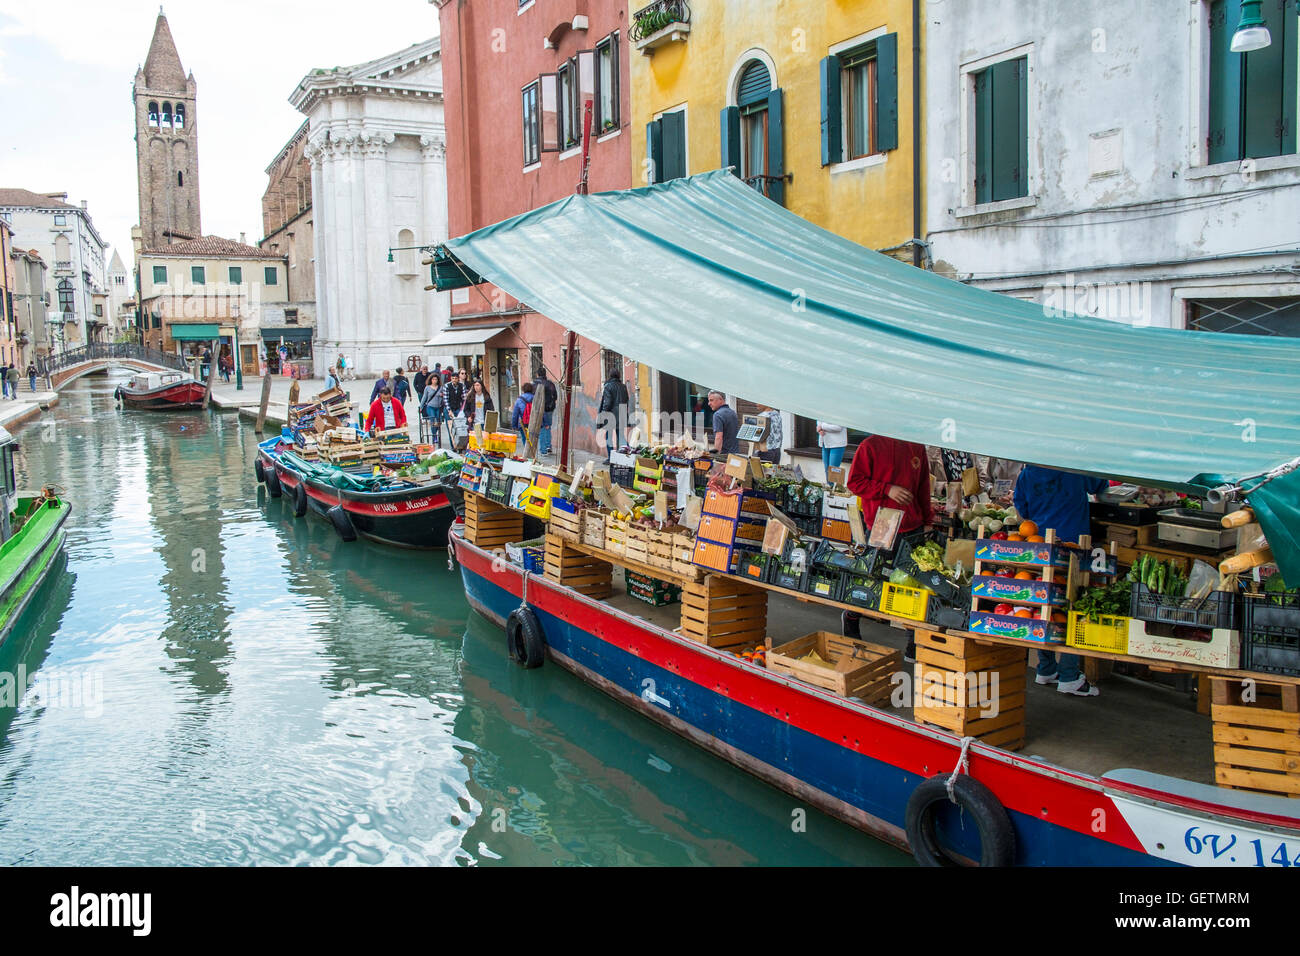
(401,386)
(433,406)
(548,394)
(612,414)
(521,415)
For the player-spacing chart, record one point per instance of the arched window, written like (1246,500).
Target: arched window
(65,297)
(167,116)
(180,179)
(178,118)
(752,88)
(406,258)
(153,115)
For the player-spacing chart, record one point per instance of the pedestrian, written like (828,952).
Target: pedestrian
(11,376)
(890,473)
(381,384)
(457,390)
(949,466)
(1058,500)
(205,363)
(521,414)
(833,439)
(401,386)
(331,379)
(433,406)
(550,396)
(477,404)
(31,375)
(437,370)
(4,379)
(420,380)
(385,413)
(772,441)
(611,416)
(725,424)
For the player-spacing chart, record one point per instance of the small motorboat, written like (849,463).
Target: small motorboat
(159,390)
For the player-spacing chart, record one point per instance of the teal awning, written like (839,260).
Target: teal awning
(289,335)
(707,280)
(195,332)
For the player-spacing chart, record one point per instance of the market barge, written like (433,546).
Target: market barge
(408,515)
(864,765)
(154,391)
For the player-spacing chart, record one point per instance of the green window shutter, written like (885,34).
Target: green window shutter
(654,150)
(1009,84)
(197,275)
(887,92)
(1266,95)
(674,145)
(984,136)
(1022,125)
(270,276)
(160,274)
(236,275)
(832,113)
(1224,139)
(1290,19)
(776,147)
(731,138)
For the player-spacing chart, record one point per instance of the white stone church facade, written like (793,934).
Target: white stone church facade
(377,147)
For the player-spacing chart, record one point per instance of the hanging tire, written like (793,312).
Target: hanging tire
(299,499)
(524,638)
(259,470)
(997,838)
(273,484)
(342,523)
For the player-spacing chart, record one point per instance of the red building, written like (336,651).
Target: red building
(517,75)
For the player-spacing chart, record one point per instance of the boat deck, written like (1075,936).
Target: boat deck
(1133,724)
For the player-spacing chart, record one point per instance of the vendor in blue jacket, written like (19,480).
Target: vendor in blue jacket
(1058,500)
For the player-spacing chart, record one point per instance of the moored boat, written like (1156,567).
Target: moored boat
(154,391)
(410,514)
(31,537)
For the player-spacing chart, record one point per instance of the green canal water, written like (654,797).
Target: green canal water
(209,680)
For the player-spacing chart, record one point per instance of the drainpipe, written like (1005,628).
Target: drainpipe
(916,129)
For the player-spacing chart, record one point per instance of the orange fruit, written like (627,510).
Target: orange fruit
(1027,528)
(1023,612)
(1015,537)
(1035,537)
(1025,575)
(1058,617)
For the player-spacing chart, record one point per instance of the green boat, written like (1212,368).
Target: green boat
(31,536)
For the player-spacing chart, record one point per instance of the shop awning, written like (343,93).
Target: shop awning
(289,335)
(464,341)
(195,332)
(705,279)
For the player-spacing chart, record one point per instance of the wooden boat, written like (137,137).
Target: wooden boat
(161,390)
(31,537)
(868,766)
(402,513)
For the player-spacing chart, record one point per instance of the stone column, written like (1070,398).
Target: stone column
(375,237)
(436,311)
(326,338)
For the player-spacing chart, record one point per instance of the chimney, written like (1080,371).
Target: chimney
(83,204)
(243,238)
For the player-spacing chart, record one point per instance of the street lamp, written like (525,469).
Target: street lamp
(1251,33)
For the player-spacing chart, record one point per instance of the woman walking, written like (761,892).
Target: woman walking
(833,439)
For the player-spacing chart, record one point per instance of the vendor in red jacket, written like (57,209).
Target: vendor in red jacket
(385,413)
(894,474)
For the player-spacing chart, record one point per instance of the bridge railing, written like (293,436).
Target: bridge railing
(49,364)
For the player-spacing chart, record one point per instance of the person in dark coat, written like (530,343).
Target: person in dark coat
(457,389)
(548,395)
(477,403)
(380,385)
(401,386)
(522,413)
(420,380)
(612,418)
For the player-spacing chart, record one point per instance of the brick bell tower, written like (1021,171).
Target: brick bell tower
(166,144)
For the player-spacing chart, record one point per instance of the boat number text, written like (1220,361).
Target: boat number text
(392,506)
(1255,852)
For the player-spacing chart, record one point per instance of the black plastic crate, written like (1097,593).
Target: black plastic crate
(803,501)
(1270,638)
(782,575)
(823,583)
(827,555)
(954,614)
(498,488)
(861,590)
(753,565)
(622,475)
(1217,610)
(808,527)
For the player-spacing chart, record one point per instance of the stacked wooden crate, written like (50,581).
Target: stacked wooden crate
(490,525)
(724,612)
(971,688)
(577,569)
(1256,740)
(860,669)
(566,521)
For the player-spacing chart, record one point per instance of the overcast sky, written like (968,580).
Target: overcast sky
(67,66)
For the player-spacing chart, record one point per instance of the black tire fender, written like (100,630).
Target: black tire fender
(259,470)
(524,638)
(997,838)
(273,484)
(300,499)
(342,522)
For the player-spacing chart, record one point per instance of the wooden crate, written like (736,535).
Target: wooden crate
(576,569)
(948,678)
(723,612)
(615,535)
(637,543)
(659,550)
(1256,742)
(566,526)
(490,525)
(862,669)
(593,527)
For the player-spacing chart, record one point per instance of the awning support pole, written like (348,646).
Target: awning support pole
(568,401)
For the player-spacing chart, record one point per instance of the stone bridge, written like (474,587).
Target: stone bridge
(63,367)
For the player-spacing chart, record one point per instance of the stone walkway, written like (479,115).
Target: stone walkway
(28,405)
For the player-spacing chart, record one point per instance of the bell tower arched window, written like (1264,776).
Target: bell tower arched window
(167,116)
(178,118)
(153,115)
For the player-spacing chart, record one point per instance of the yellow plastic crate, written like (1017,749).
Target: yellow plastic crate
(1111,634)
(900,601)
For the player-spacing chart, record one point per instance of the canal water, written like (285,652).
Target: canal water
(208,680)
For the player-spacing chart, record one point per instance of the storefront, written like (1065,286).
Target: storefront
(471,349)
(191,340)
(288,345)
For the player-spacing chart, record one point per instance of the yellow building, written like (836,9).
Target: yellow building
(810,100)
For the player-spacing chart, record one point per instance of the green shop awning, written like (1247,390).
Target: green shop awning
(707,280)
(195,332)
(289,335)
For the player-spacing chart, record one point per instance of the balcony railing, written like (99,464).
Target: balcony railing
(45,365)
(773,187)
(63,265)
(661,22)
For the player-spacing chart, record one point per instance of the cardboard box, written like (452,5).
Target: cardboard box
(1016,590)
(1022,628)
(780,529)
(1223,649)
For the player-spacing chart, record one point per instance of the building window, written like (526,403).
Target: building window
(60,219)
(610,362)
(153,115)
(167,116)
(666,145)
(197,275)
(178,118)
(270,276)
(119,280)
(290,316)
(1002,131)
(1252,108)
(99,310)
(1260,316)
(160,275)
(568,87)
(535,360)
(752,138)
(577,364)
(532,130)
(859,99)
(236,275)
(858,91)
(66,301)
(180,179)
(607,84)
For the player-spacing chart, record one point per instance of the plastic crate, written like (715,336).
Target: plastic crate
(622,475)
(823,583)
(900,601)
(1218,610)
(803,501)
(535,560)
(1109,634)
(861,590)
(1270,639)
(782,575)
(753,565)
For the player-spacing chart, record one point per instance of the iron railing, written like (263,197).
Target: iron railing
(649,20)
(47,365)
(769,186)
